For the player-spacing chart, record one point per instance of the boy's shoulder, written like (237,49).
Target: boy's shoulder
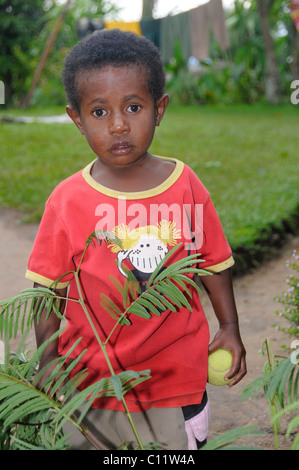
(186,177)
(195,181)
(67,186)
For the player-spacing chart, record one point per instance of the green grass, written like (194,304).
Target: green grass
(246,156)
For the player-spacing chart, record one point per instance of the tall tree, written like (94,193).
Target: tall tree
(147,8)
(45,54)
(20,23)
(294,52)
(24,30)
(272,82)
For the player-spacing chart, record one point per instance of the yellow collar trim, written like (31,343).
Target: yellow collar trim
(139,194)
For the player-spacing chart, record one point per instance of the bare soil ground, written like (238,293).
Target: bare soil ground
(255,293)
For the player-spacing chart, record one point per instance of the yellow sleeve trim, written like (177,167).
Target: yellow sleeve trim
(44,281)
(217,268)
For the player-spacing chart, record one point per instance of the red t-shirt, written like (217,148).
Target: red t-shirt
(174,345)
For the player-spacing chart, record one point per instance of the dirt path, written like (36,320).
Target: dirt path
(254,296)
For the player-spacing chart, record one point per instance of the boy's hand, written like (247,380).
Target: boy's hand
(220,291)
(228,337)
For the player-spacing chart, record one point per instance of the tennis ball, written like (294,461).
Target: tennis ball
(219,363)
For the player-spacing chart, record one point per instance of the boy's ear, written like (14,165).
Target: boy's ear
(161,106)
(75,116)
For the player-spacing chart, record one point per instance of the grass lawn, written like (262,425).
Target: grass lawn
(246,156)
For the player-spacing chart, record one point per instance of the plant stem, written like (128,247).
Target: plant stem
(103,348)
(275,428)
(120,319)
(272,400)
(91,438)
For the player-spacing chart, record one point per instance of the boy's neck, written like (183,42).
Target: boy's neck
(145,174)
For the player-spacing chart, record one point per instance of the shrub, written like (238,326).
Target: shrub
(290,300)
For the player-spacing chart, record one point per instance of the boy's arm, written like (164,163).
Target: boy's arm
(44,329)
(220,291)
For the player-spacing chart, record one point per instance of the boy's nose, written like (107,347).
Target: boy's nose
(118,124)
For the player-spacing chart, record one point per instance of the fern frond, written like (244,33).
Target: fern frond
(113,308)
(137,309)
(155,300)
(161,291)
(100,236)
(161,297)
(225,440)
(149,305)
(20,401)
(284,377)
(17,313)
(293,424)
(180,265)
(114,386)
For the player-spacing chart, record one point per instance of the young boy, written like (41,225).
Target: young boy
(115,86)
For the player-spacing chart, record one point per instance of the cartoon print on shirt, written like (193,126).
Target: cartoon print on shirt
(144,247)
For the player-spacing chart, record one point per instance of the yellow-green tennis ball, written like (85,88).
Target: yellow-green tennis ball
(219,363)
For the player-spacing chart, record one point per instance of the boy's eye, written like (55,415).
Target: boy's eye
(133,108)
(99,112)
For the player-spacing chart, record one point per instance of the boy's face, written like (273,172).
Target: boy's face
(117,113)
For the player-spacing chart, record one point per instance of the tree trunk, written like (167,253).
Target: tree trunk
(294,53)
(45,55)
(272,74)
(147,8)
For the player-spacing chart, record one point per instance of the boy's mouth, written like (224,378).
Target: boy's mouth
(121,148)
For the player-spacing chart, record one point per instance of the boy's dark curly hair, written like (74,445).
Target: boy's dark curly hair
(115,48)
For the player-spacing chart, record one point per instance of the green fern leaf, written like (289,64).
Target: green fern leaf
(178,295)
(166,289)
(160,296)
(154,300)
(113,307)
(117,386)
(142,300)
(139,310)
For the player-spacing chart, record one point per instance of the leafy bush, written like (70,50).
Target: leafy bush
(290,300)
(280,378)
(31,415)
(279,383)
